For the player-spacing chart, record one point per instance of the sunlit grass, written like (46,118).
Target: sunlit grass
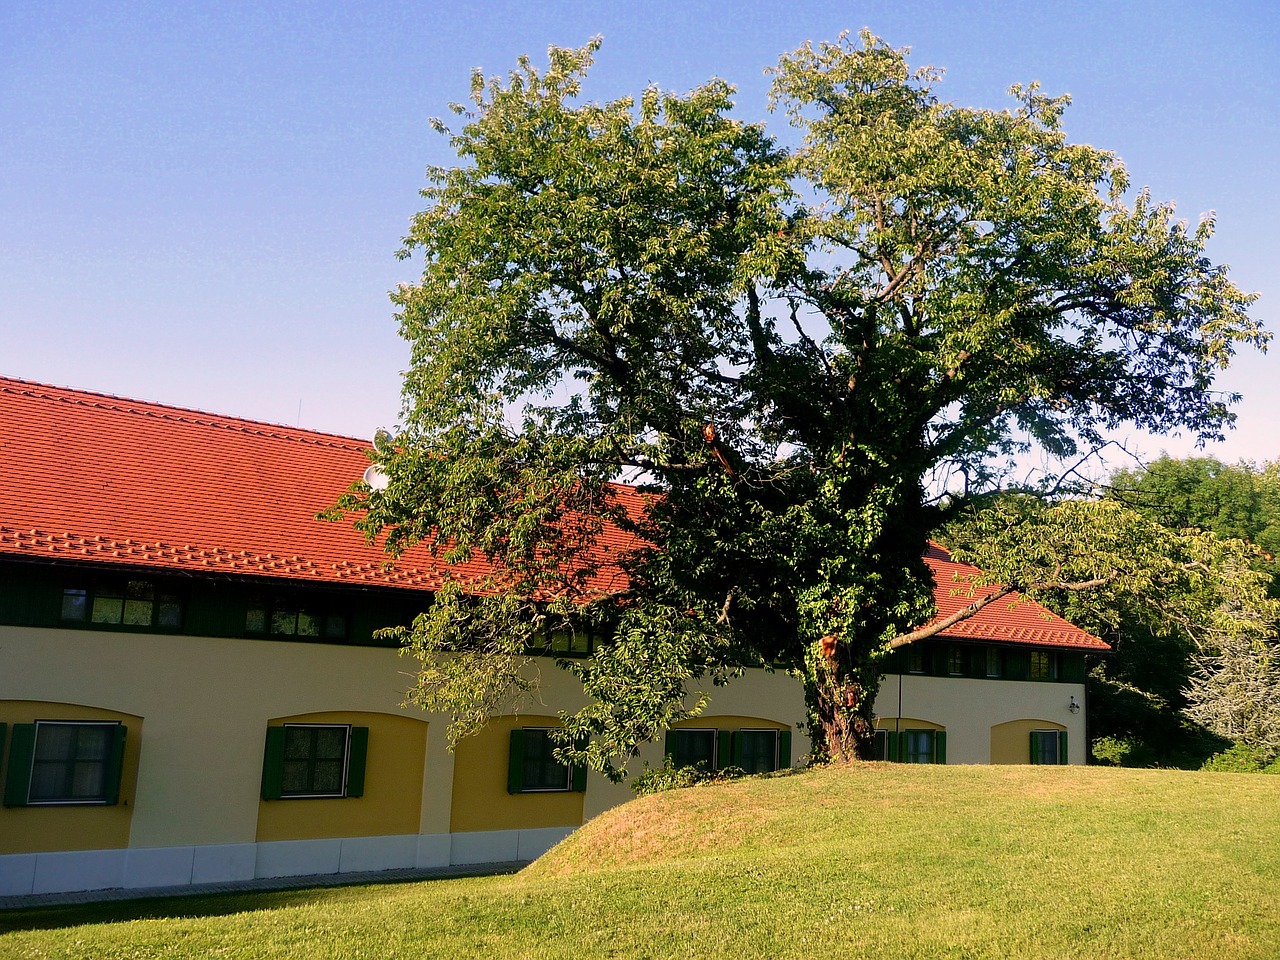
(875,861)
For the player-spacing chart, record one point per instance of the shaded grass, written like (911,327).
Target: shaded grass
(872,861)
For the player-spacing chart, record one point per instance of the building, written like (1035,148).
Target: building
(191,689)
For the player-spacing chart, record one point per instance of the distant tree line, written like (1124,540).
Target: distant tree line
(1182,555)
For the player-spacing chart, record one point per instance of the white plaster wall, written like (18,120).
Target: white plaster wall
(968,709)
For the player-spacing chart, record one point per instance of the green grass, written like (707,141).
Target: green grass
(875,861)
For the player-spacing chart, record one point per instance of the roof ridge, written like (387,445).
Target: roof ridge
(170,412)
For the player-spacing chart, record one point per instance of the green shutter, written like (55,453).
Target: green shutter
(977,662)
(357,757)
(1071,666)
(1018,664)
(724,752)
(1062,746)
(940,746)
(116,767)
(893,745)
(4,727)
(515,762)
(784,749)
(22,749)
(580,771)
(669,746)
(273,764)
(1035,754)
(737,751)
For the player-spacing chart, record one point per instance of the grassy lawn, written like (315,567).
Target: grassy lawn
(878,861)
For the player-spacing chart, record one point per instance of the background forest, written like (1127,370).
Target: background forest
(1194,676)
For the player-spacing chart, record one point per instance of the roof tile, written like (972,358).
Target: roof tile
(121,481)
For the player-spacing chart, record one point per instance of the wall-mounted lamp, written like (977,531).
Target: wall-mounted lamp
(1074,705)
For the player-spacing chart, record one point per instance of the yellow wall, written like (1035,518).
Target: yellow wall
(480,798)
(208,701)
(392,800)
(730,723)
(1011,742)
(90,827)
(906,723)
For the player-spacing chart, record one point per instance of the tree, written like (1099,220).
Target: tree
(1227,681)
(1186,611)
(1238,501)
(780,345)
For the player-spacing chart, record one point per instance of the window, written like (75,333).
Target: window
(1048,746)
(995,663)
(1044,665)
(65,762)
(289,618)
(692,748)
(533,768)
(955,661)
(918,746)
(753,751)
(912,746)
(568,643)
(135,603)
(761,751)
(915,658)
(756,751)
(314,760)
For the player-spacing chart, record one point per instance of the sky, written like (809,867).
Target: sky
(200,203)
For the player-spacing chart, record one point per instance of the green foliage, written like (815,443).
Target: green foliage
(1117,752)
(1187,613)
(781,344)
(1240,502)
(1241,758)
(669,777)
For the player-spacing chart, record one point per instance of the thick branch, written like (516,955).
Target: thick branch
(935,628)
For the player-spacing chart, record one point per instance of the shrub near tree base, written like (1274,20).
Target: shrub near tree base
(669,777)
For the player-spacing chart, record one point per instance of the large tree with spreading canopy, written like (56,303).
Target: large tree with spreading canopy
(783,344)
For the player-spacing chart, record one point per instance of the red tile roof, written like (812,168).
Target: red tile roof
(91,477)
(1011,619)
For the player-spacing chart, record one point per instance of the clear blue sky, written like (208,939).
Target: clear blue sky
(200,203)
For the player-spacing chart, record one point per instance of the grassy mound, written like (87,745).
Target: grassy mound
(873,861)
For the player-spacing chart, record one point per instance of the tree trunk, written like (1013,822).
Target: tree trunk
(842,705)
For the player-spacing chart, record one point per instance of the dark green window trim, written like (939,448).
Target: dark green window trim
(294,777)
(987,662)
(531,769)
(730,749)
(133,605)
(685,746)
(105,767)
(1048,746)
(291,618)
(993,663)
(578,642)
(915,746)
(1044,665)
(759,749)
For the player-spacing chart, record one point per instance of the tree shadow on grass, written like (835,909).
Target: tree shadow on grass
(189,906)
